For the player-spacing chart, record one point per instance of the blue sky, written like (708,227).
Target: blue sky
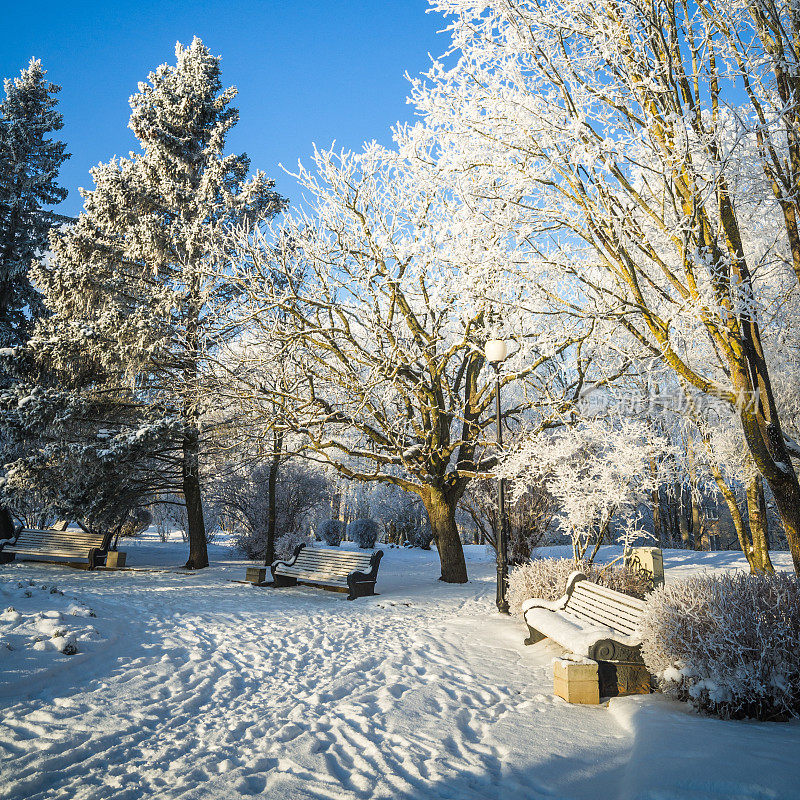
(306,72)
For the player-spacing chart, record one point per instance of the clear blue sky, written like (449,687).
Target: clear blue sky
(306,71)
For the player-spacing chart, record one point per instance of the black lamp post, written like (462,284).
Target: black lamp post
(496,352)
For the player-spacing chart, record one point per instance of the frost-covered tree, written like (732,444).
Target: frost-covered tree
(135,299)
(618,134)
(596,470)
(386,301)
(30,159)
(260,513)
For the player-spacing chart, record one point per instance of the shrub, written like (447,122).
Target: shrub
(364,532)
(547,577)
(136,522)
(331,531)
(727,643)
(421,537)
(285,545)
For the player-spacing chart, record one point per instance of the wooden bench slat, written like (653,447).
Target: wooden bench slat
(609,622)
(333,559)
(20,548)
(585,616)
(312,562)
(329,560)
(599,610)
(312,572)
(345,567)
(626,612)
(304,571)
(600,607)
(612,594)
(60,537)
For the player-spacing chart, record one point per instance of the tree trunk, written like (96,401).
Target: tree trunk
(441,509)
(272,500)
(196,528)
(684,507)
(7,530)
(757,515)
(736,516)
(765,443)
(696,521)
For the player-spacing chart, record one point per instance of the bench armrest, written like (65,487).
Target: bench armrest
(555,605)
(287,562)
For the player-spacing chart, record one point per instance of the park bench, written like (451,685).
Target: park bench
(597,623)
(333,569)
(57,544)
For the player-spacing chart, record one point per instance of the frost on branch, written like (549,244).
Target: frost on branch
(597,471)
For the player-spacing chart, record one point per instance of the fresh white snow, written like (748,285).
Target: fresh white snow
(189,685)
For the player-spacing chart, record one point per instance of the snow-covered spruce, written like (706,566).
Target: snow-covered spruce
(30,159)
(331,532)
(547,577)
(729,644)
(135,304)
(364,532)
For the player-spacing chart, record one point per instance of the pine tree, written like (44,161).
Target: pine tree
(29,164)
(133,287)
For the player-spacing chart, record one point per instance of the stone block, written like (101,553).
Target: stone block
(115,559)
(256,574)
(575,680)
(650,561)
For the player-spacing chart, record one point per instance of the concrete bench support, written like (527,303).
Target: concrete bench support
(576,680)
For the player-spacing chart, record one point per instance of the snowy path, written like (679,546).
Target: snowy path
(213,689)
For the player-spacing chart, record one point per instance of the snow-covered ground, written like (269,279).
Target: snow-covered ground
(194,686)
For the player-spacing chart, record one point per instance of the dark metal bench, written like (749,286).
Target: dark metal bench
(57,545)
(597,623)
(333,569)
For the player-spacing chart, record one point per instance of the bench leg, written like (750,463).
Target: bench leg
(283,580)
(360,589)
(95,556)
(7,558)
(534,637)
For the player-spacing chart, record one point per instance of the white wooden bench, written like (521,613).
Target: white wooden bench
(57,544)
(337,570)
(597,623)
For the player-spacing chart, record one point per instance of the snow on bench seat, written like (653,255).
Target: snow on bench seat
(589,620)
(330,568)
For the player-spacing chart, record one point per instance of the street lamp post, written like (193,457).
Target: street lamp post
(496,352)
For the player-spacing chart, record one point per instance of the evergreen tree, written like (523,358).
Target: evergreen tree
(29,164)
(133,287)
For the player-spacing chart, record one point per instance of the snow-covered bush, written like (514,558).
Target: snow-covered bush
(420,536)
(137,521)
(729,644)
(547,578)
(240,502)
(286,544)
(364,532)
(331,531)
